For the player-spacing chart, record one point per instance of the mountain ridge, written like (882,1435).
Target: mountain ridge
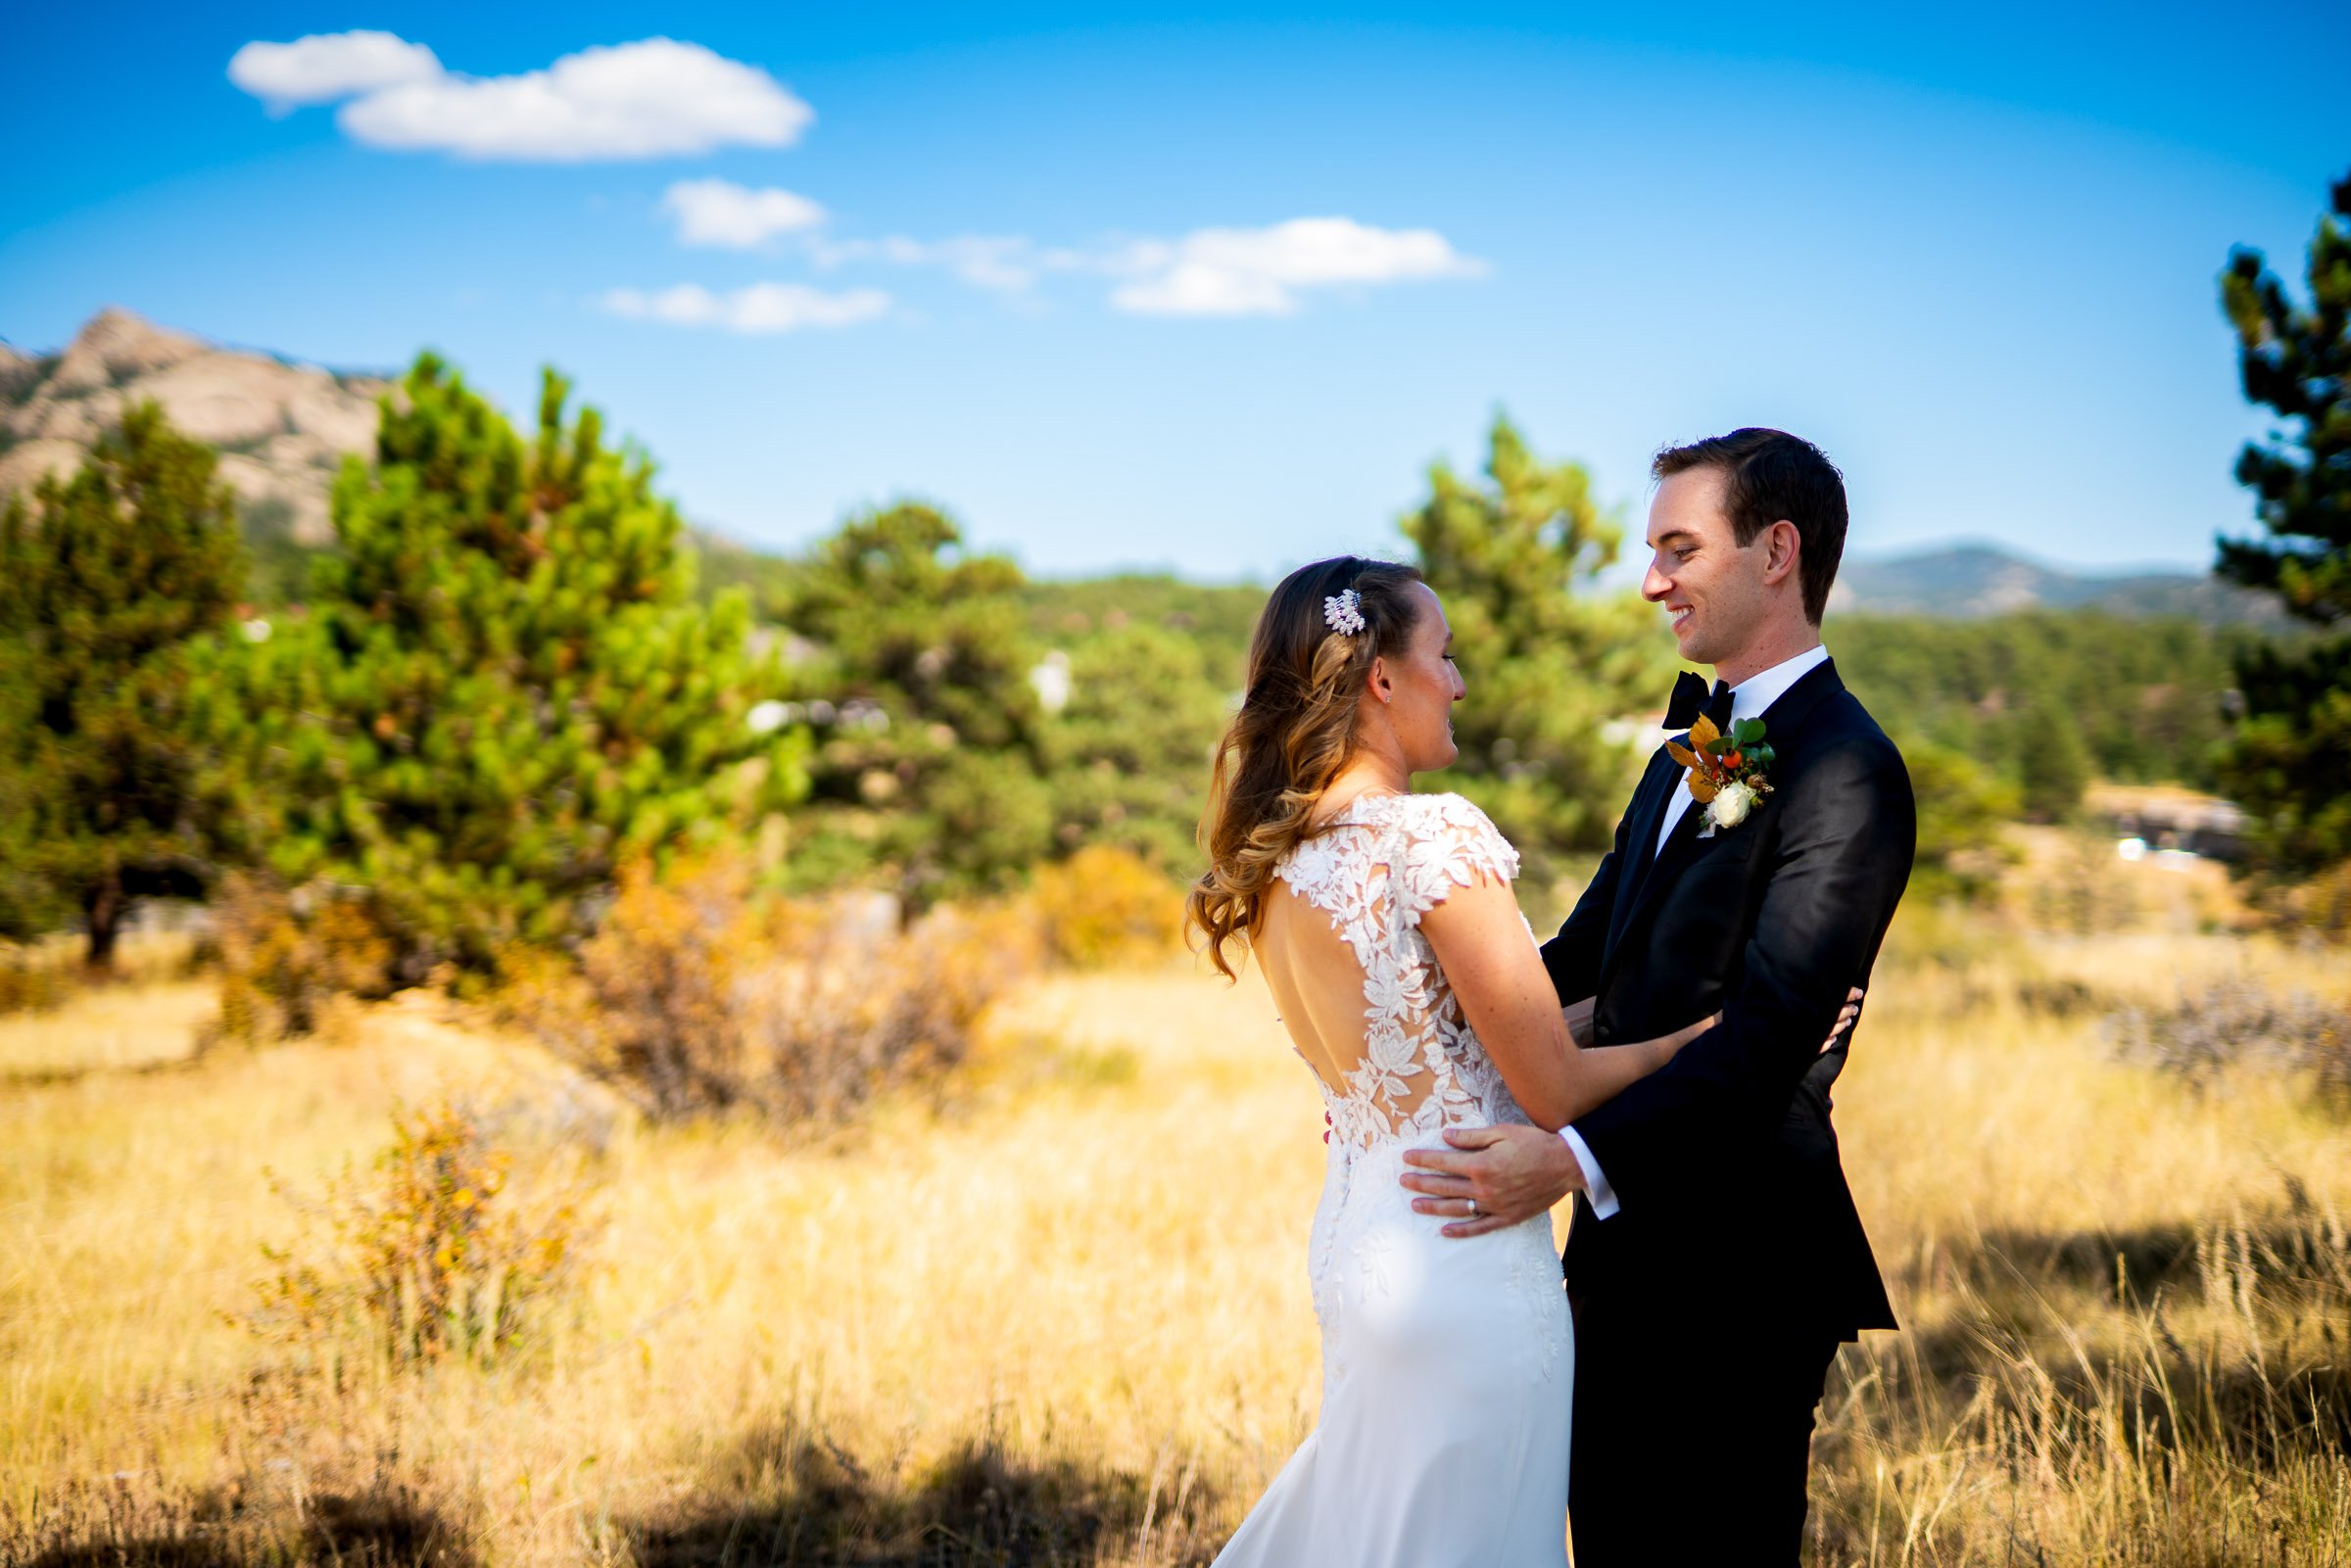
(1972,578)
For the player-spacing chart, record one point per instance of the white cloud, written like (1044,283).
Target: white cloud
(1004,262)
(1217,272)
(762,308)
(721,212)
(1223,271)
(327,65)
(1260,272)
(654,98)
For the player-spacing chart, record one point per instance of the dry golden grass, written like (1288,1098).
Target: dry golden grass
(1059,1313)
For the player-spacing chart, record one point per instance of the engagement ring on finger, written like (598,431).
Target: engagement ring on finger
(1472,1208)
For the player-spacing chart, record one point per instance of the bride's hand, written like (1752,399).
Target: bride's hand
(1847,1017)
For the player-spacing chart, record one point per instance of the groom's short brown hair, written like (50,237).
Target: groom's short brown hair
(1769,475)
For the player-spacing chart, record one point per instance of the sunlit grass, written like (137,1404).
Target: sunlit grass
(1058,1313)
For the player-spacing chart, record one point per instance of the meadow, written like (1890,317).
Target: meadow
(1054,1309)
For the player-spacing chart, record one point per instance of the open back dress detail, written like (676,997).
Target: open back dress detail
(1447,1363)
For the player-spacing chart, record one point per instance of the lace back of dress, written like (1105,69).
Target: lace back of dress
(1379,865)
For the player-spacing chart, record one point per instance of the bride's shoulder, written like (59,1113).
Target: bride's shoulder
(1448,810)
(1460,833)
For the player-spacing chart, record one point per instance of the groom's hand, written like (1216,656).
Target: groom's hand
(1511,1174)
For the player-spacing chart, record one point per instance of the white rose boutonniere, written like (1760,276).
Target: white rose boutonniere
(1731,804)
(1726,771)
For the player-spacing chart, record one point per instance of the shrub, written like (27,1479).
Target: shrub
(695,996)
(288,959)
(27,986)
(429,1251)
(2320,906)
(1963,811)
(2071,884)
(2238,1022)
(1105,905)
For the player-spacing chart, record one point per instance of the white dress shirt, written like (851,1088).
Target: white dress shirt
(1748,698)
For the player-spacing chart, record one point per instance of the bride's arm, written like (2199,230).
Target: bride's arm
(1498,977)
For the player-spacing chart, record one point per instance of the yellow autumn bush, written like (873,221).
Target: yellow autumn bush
(291,962)
(698,994)
(30,985)
(426,1253)
(1106,906)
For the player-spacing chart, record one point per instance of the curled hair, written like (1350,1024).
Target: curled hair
(1294,733)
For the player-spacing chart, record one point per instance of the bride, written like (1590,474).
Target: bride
(1385,926)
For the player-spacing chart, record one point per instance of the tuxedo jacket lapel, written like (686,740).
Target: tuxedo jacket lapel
(1684,844)
(1648,809)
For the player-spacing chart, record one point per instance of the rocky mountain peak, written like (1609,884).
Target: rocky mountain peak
(282,429)
(115,345)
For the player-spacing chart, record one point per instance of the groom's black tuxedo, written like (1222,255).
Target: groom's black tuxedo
(1708,1306)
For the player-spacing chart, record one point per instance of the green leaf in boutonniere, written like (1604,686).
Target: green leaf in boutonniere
(1727,771)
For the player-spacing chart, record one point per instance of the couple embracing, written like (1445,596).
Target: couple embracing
(1667,1057)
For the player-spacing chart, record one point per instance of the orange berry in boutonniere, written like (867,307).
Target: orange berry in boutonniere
(1725,771)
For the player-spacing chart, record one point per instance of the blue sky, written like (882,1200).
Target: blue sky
(1047,265)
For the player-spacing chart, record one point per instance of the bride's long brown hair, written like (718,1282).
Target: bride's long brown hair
(1294,733)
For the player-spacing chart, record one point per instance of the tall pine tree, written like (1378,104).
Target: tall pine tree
(501,687)
(2290,762)
(1550,662)
(2295,360)
(930,768)
(109,575)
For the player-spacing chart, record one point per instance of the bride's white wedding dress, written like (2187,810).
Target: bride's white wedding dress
(1446,1364)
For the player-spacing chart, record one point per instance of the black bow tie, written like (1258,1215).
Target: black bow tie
(1691,699)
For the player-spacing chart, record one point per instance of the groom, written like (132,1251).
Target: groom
(1716,1260)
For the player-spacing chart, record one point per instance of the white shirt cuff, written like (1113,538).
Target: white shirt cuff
(1602,1196)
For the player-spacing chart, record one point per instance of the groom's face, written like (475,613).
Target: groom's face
(1712,587)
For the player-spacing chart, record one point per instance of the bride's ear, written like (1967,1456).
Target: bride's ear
(1377,681)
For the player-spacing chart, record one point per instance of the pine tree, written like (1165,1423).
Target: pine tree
(2296,361)
(101,799)
(1129,747)
(1550,663)
(2290,764)
(930,764)
(2053,765)
(501,690)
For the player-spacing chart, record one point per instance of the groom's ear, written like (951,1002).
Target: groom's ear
(1784,552)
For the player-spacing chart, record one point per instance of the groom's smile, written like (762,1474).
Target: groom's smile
(1715,589)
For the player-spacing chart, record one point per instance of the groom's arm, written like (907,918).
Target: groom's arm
(1847,835)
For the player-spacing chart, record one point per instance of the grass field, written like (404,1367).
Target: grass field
(1059,1312)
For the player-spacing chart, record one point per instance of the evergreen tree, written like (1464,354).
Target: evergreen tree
(1130,750)
(1550,665)
(125,562)
(2290,764)
(1963,807)
(2052,763)
(2144,696)
(930,760)
(2296,361)
(501,688)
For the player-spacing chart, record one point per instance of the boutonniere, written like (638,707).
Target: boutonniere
(1726,771)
